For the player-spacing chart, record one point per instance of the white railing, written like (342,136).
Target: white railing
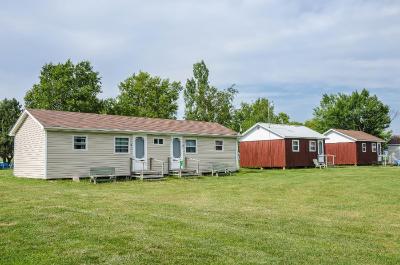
(327,160)
(198,164)
(383,159)
(162,165)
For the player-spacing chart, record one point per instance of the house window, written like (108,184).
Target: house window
(295,146)
(121,145)
(158,141)
(191,146)
(219,145)
(80,142)
(364,147)
(373,147)
(312,146)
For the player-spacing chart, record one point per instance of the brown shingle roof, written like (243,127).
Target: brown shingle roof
(360,136)
(90,121)
(395,139)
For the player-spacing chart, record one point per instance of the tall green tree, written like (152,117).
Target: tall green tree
(67,87)
(204,102)
(260,111)
(357,111)
(10,110)
(146,96)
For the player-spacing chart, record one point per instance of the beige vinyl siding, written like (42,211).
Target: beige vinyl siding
(160,152)
(29,150)
(209,157)
(65,162)
(206,152)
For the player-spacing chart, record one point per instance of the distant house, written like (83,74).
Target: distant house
(394,148)
(280,146)
(353,147)
(56,144)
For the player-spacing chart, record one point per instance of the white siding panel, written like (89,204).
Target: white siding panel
(334,137)
(29,150)
(65,162)
(258,133)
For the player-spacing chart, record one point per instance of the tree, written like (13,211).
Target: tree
(146,96)
(67,87)
(358,111)
(260,111)
(10,110)
(204,102)
(108,106)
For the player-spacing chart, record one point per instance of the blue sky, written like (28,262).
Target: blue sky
(290,51)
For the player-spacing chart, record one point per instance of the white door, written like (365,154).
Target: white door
(139,153)
(321,153)
(379,151)
(176,152)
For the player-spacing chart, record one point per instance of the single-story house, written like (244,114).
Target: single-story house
(394,148)
(353,147)
(279,146)
(57,144)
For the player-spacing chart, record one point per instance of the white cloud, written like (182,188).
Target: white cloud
(293,47)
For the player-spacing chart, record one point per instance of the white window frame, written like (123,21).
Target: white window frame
(190,139)
(309,146)
(86,143)
(158,140)
(364,147)
(129,145)
(215,145)
(298,146)
(373,147)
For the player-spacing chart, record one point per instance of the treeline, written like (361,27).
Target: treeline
(77,87)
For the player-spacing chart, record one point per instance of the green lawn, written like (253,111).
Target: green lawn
(305,216)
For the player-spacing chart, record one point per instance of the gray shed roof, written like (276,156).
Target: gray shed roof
(291,131)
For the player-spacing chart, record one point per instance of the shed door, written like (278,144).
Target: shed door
(321,151)
(379,151)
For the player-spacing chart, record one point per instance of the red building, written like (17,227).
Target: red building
(280,146)
(353,147)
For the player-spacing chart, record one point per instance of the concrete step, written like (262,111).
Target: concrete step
(146,172)
(149,177)
(183,172)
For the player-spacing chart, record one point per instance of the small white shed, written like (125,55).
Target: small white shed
(394,148)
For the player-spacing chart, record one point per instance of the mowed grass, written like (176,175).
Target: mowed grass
(303,216)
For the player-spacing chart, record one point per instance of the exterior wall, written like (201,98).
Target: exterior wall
(65,162)
(303,158)
(262,153)
(345,153)
(368,157)
(29,150)
(393,152)
(209,157)
(159,152)
(334,137)
(259,133)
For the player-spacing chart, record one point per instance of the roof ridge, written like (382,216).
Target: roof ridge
(52,119)
(125,116)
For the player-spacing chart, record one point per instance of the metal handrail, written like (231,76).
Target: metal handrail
(162,165)
(142,173)
(326,159)
(198,163)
